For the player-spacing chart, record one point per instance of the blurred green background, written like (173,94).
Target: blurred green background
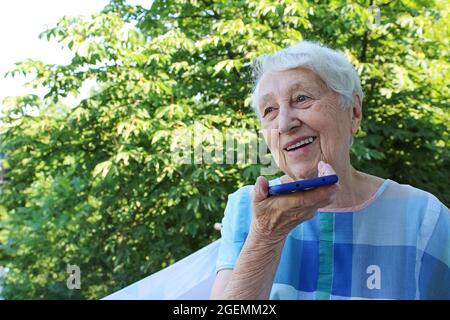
(95,184)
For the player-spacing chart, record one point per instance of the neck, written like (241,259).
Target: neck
(352,191)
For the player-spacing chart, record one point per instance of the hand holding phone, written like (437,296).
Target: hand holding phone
(274,217)
(326,176)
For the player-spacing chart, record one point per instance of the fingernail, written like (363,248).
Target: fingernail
(320,167)
(258,183)
(260,188)
(329,169)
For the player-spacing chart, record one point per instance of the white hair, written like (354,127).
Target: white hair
(330,65)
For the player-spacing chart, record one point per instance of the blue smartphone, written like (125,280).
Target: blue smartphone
(302,185)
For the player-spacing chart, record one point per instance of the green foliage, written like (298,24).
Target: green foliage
(96,186)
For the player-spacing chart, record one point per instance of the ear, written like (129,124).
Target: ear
(356,113)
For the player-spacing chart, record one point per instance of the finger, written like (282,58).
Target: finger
(328,199)
(261,189)
(325,169)
(308,199)
(320,196)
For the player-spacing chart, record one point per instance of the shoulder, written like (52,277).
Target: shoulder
(239,205)
(238,211)
(413,197)
(237,215)
(431,215)
(242,196)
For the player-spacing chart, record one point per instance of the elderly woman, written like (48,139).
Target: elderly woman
(365,237)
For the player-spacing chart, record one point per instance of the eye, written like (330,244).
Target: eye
(301,98)
(268,110)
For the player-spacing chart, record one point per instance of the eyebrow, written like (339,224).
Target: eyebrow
(296,86)
(265,98)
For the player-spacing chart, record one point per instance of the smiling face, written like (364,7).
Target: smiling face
(303,122)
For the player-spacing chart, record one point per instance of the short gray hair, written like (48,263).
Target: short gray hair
(330,65)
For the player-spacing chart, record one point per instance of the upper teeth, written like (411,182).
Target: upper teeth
(300,143)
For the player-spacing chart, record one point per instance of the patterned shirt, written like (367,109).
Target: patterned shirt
(396,245)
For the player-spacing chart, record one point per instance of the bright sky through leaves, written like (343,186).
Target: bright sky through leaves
(21,22)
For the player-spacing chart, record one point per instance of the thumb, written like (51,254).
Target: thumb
(325,169)
(261,189)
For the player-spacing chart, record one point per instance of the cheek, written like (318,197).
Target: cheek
(317,117)
(271,138)
(331,122)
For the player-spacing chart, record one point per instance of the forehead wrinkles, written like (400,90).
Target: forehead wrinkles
(284,83)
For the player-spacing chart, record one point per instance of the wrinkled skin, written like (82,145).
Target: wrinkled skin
(296,103)
(318,113)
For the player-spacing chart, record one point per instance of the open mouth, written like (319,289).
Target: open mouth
(301,144)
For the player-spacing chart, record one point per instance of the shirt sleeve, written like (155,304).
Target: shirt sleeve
(434,275)
(235,226)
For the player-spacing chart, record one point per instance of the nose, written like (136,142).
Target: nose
(287,120)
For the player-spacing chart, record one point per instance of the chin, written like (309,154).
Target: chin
(301,173)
